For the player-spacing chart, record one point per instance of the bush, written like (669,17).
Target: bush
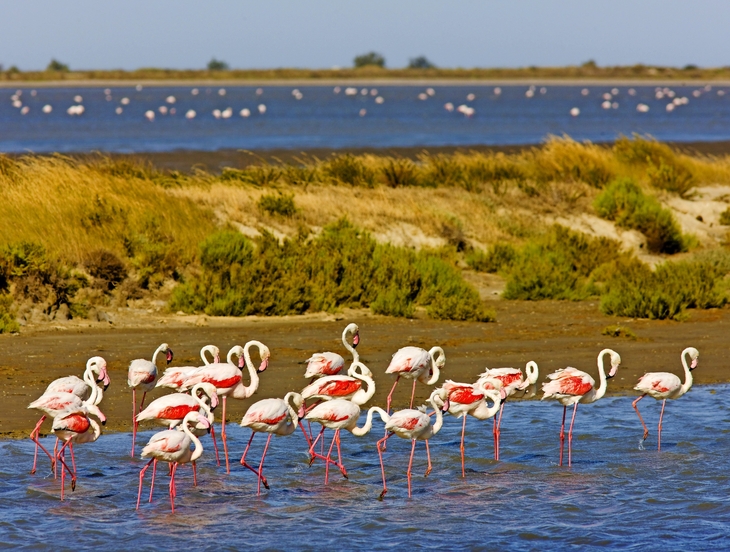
(8,323)
(670,177)
(56,65)
(420,62)
(400,172)
(349,169)
(626,204)
(153,253)
(618,331)
(642,151)
(106,267)
(725,217)
(499,256)
(217,65)
(278,204)
(371,58)
(563,159)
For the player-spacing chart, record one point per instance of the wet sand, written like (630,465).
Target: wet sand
(554,334)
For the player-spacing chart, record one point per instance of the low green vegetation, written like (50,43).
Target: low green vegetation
(278,204)
(725,217)
(341,267)
(619,331)
(625,203)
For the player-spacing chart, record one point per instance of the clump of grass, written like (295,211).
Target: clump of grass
(349,169)
(563,159)
(624,202)
(725,217)
(498,257)
(399,172)
(342,267)
(8,322)
(278,204)
(618,331)
(107,269)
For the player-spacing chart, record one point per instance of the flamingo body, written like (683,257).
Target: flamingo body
(343,387)
(324,364)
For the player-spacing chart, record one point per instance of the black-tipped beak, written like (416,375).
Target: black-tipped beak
(106,387)
(103,422)
(355,341)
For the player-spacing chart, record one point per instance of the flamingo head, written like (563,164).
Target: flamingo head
(98,364)
(615,363)
(302,411)
(168,354)
(208,390)
(355,331)
(265,354)
(694,354)
(202,422)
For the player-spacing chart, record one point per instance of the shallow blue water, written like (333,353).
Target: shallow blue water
(615,495)
(322,119)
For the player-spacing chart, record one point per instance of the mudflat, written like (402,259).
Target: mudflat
(554,334)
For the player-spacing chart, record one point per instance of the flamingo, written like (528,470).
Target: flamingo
(173,446)
(460,399)
(73,426)
(275,417)
(171,409)
(174,377)
(416,364)
(339,414)
(95,371)
(512,381)
(228,379)
(329,364)
(663,386)
(414,425)
(343,387)
(570,386)
(142,375)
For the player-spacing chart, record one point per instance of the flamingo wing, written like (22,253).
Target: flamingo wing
(168,442)
(267,412)
(141,371)
(221,375)
(69,384)
(324,364)
(75,422)
(170,407)
(333,412)
(174,378)
(408,423)
(568,382)
(409,359)
(658,383)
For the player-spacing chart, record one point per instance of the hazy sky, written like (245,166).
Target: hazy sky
(324,33)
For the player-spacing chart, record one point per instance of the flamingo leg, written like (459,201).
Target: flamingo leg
(172,487)
(134,419)
(499,431)
(659,429)
(494,435)
(382,466)
(562,436)
(223,435)
(339,456)
(463,431)
(428,458)
(328,460)
(636,407)
(55,453)
(141,405)
(249,466)
(60,458)
(73,460)
(215,445)
(410,465)
(154,473)
(261,467)
(141,477)
(313,455)
(307,435)
(413,393)
(195,474)
(36,440)
(570,436)
(387,409)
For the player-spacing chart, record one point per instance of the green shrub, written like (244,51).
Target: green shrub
(725,217)
(278,204)
(349,169)
(618,331)
(563,159)
(499,256)
(672,177)
(8,323)
(154,254)
(626,204)
(642,151)
(442,170)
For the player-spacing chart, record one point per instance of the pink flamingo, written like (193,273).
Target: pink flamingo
(173,446)
(142,375)
(174,377)
(96,371)
(512,381)
(329,364)
(343,387)
(170,410)
(460,399)
(570,386)
(339,414)
(275,417)
(416,364)
(663,386)
(414,425)
(71,427)
(228,379)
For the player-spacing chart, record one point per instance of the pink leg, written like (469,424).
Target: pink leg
(172,488)
(463,431)
(223,435)
(60,459)
(35,439)
(410,464)
(636,407)
(328,460)
(307,436)
(215,445)
(195,475)
(55,454)
(382,466)
(134,419)
(562,436)
(428,458)
(261,466)
(141,477)
(494,435)
(249,466)
(141,405)
(73,460)
(659,429)
(413,393)
(154,473)
(499,432)
(570,436)
(387,409)
(339,456)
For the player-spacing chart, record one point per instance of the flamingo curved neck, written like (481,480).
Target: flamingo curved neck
(484,412)
(360,431)
(198,450)
(350,348)
(369,391)
(96,428)
(434,366)
(531,372)
(252,372)
(157,352)
(687,374)
(207,349)
(293,414)
(439,416)
(602,375)
(203,404)
(89,378)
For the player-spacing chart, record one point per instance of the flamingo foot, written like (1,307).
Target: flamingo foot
(428,472)
(382,494)
(73,483)
(646,434)
(266,483)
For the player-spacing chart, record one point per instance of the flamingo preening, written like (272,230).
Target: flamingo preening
(275,417)
(173,445)
(414,425)
(662,386)
(570,386)
(142,375)
(228,379)
(329,364)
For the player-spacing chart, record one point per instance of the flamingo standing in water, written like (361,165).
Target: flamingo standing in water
(339,414)
(228,379)
(512,380)
(570,386)
(414,425)
(329,364)
(170,410)
(173,446)
(96,371)
(275,417)
(142,375)
(71,427)
(663,386)
(460,399)
(416,364)
(174,377)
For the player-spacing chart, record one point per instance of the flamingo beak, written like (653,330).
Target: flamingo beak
(614,369)
(446,406)
(302,412)
(213,401)
(169,356)
(355,340)
(693,365)
(241,362)
(264,365)
(103,422)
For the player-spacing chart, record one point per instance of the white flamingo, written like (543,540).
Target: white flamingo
(329,364)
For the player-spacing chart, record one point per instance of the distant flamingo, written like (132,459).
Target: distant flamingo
(73,427)
(414,425)
(663,386)
(173,446)
(170,410)
(174,377)
(339,414)
(460,399)
(275,417)
(570,386)
(142,375)
(228,379)
(512,381)
(329,364)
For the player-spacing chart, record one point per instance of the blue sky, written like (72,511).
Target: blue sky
(326,33)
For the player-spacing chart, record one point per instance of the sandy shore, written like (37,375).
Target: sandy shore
(554,334)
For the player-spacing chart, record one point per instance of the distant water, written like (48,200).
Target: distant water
(615,496)
(323,119)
